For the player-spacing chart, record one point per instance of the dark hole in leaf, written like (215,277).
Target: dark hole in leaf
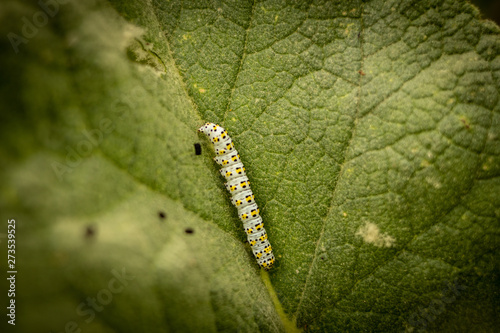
(197,149)
(90,231)
(189,231)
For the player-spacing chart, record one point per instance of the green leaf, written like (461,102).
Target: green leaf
(369,130)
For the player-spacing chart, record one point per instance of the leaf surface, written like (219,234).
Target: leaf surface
(369,130)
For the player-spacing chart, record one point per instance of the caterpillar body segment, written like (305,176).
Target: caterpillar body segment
(233,171)
(243,198)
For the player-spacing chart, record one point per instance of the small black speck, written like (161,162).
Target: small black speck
(322,258)
(90,231)
(189,231)
(197,149)
(162,215)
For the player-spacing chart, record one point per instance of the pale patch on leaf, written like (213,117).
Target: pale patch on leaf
(372,235)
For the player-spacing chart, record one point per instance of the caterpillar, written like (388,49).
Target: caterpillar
(242,197)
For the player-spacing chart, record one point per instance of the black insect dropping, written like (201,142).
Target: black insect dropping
(197,149)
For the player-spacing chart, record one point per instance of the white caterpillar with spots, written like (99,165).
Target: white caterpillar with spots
(242,197)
